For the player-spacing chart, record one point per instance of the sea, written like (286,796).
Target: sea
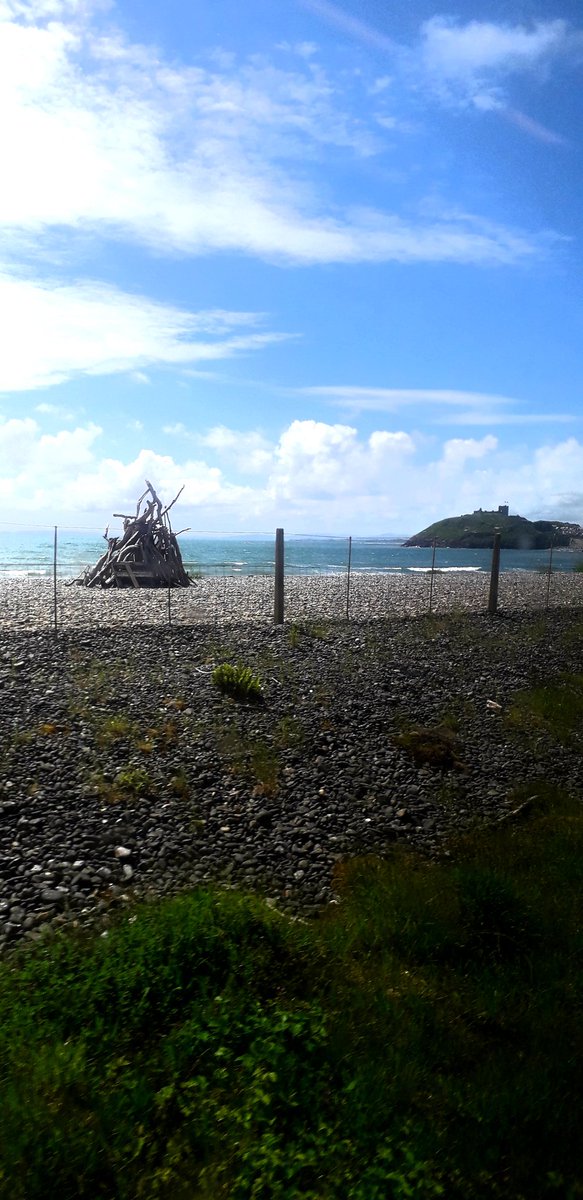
(31,552)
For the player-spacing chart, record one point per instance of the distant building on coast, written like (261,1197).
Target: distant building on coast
(502,510)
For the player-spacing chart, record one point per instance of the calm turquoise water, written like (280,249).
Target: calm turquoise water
(31,553)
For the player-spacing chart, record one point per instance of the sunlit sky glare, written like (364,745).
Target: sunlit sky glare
(320,262)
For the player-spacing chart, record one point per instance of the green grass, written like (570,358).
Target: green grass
(238,682)
(251,757)
(129,783)
(422,1039)
(115,728)
(258,758)
(555,709)
(179,785)
(300,631)
(289,732)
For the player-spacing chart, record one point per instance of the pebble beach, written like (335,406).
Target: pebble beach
(125,773)
(29,602)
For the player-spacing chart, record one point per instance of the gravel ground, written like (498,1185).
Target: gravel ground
(271,797)
(28,602)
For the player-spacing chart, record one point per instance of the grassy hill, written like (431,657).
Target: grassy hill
(476,531)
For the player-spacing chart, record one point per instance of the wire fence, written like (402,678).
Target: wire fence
(238,578)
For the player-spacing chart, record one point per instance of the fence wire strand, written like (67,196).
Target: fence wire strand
(39,592)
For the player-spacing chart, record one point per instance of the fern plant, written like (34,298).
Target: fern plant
(239,682)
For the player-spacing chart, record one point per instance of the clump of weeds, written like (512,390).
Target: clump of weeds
(115,728)
(134,781)
(299,630)
(238,682)
(294,636)
(52,728)
(20,737)
(436,747)
(179,785)
(264,765)
(129,783)
(159,737)
(253,758)
(289,733)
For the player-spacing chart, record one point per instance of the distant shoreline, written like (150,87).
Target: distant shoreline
(304,556)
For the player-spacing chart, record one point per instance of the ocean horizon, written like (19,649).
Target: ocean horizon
(30,552)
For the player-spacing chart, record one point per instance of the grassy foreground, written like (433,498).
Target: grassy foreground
(422,1039)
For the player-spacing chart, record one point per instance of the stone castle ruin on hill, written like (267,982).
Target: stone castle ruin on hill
(562,529)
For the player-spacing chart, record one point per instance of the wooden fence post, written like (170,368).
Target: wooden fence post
(279,555)
(348,578)
(549,573)
(494,574)
(432,576)
(55,616)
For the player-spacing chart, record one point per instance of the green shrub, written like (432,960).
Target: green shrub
(239,682)
(133,781)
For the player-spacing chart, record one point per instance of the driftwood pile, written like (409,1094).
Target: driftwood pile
(146,555)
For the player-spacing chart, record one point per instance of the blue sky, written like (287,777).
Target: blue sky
(319,262)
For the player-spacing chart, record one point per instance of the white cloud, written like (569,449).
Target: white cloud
(53,331)
(498,417)
(39,10)
(178,429)
(451,406)
(543,481)
(58,411)
(16,437)
(457,50)
(317,477)
(381,399)
(458,451)
(47,477)
(103,135)
(314,459)
(250,453)
(380,84)
(557,466)
(117,484)
(30,456)
(465,62)
(471,62)
(333,478)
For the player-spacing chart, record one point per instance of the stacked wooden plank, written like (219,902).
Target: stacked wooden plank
(145,555)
